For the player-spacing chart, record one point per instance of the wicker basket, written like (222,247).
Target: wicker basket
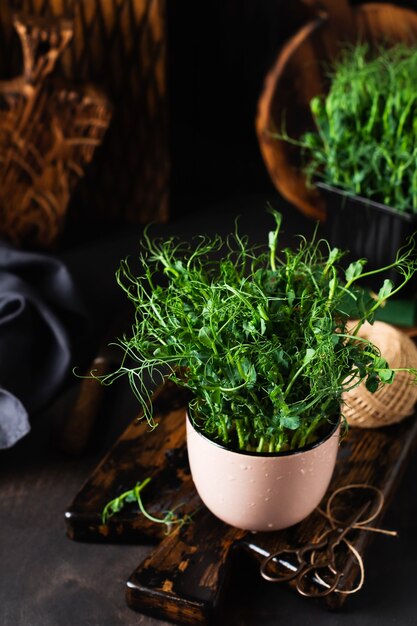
(392,402)
(299,74)
(120,46)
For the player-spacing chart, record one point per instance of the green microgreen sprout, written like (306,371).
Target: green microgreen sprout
(170,519)
(261,336)
(365,139)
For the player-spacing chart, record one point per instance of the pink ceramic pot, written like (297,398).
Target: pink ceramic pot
(262,492)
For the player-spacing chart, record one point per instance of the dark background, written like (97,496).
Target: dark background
(218,56)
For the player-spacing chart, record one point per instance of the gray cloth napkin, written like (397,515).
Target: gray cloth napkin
(41,317)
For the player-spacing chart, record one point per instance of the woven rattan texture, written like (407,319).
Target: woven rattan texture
(392,402)
(120,46)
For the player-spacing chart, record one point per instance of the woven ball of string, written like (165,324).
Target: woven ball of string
(391,402)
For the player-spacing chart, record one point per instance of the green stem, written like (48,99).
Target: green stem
(240,434)
(371,273)
(293,379)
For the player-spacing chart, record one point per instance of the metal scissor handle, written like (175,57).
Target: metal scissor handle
(296,564)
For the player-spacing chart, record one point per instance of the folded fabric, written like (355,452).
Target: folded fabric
(41,317)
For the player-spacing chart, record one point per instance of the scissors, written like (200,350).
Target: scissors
(298,563)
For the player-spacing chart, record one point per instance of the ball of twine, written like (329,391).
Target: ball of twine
(392,402)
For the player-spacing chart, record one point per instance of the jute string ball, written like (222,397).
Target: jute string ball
(392,402)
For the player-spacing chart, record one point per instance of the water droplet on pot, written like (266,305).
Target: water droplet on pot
(270,525)
(230,477)
(279,477)
(302,471)
(243,467)
(267,499)
(251,504)
(266,475)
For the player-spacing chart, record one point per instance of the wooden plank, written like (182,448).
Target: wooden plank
(138,454)
(182,578)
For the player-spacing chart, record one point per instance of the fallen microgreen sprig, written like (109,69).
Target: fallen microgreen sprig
(170,519)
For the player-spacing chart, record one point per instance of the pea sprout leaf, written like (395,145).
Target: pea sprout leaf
(258,335)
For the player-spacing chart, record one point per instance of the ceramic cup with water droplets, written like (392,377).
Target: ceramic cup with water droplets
(261,492)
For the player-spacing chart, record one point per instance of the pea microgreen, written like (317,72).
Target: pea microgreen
(259,335)
(365,138)
(170,518)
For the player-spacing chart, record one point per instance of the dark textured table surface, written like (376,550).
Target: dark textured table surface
(48,580)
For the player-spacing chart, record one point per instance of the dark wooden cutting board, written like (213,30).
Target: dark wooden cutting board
(182,579)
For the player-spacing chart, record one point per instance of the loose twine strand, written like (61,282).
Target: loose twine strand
(360,525)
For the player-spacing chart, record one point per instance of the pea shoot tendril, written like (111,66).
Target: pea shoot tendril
(170,518)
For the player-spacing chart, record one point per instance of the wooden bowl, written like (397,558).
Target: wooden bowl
(299,74)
